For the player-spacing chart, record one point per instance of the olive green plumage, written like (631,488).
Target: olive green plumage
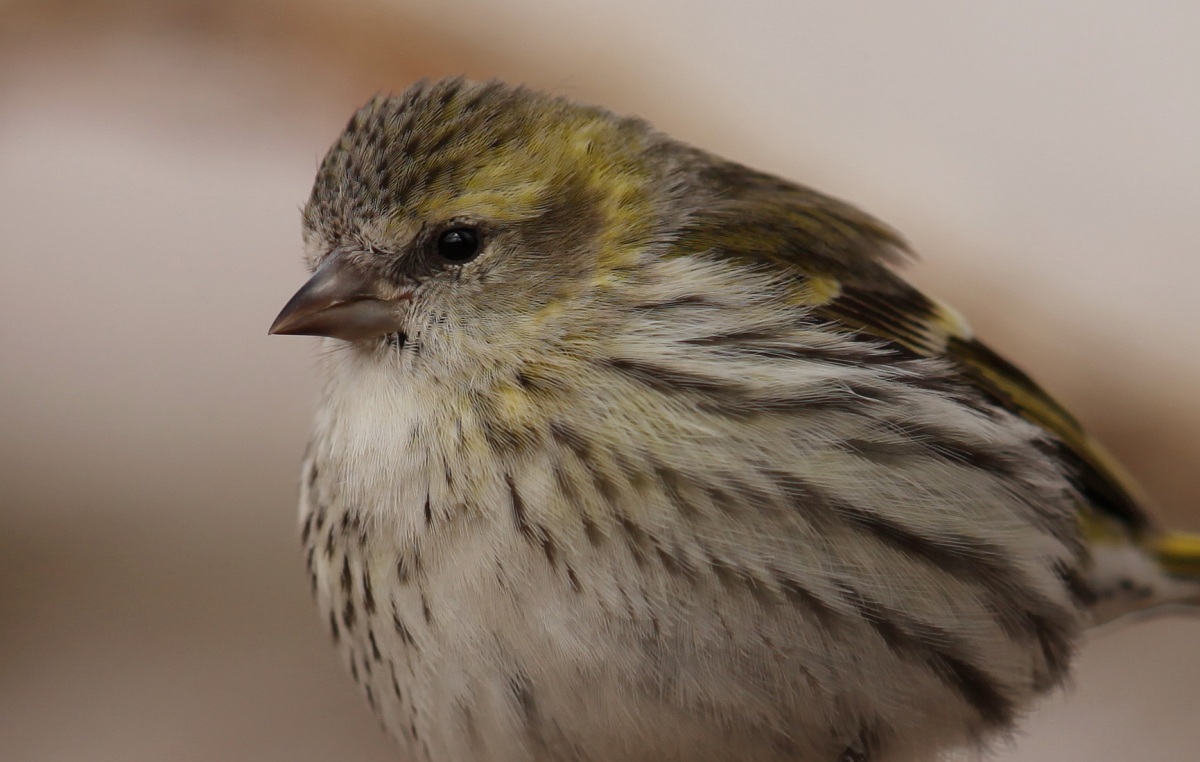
(627,452)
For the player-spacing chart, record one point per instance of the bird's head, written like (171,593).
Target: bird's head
(477,222)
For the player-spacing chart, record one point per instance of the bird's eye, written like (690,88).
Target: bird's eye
(458,245)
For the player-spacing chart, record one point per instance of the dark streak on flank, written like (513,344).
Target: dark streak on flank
(686,300)
(572,498)
(736,578)
(676,566)
(517,504)
(940,651)
(533,533)
(836,395)
(994,460)
(518,686)
(666,379)
(573,580)
(572,440)
(401,628)
(306,529)
(655,626)
(738,340)
(1017,607)
(346,578)
(333,627)
(368,592)
(548,547)
(522,695)
(425,610)
(799,595)
(470,727)
(312,571)
(395,682)
(604,485)
(594,536)
(842,351)
(565,487)
(630,612)
(566,436)
(637,540)
(545,739)
(882,452)
(404,568)
(636,535)
(505,441)
(723,501)
(672,486)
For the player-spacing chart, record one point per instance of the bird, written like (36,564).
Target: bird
(628,452)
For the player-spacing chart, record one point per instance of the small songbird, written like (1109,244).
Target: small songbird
(626,452)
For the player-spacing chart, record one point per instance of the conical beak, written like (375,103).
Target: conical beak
(342,302)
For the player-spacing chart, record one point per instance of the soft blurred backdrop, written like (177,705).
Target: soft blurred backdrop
(1043,157)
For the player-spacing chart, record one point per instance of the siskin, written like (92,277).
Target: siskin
(627,452)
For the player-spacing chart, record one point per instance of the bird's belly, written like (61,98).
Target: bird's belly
(481,635)
(484,651)
(496,671)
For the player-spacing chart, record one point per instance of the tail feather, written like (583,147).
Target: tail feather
(1179,555)
(1159,576)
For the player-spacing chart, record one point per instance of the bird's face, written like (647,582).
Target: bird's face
(470,223)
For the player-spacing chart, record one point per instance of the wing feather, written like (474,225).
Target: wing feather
(844,264)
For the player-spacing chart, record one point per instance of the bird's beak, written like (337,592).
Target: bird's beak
(342,302)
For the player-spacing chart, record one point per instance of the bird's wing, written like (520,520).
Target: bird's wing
(845,261)
(927,327)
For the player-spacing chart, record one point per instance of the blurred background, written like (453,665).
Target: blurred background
(154,154)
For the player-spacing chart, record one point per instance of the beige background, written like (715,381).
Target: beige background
(153,157)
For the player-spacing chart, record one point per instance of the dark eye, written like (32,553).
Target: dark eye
(458,244)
